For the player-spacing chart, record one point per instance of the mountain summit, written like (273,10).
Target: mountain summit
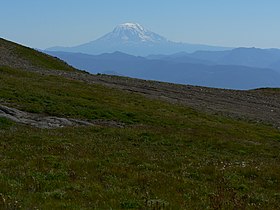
(132,38)
(133,32)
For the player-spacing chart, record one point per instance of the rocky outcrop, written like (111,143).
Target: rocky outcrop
(49,122)
(37,120)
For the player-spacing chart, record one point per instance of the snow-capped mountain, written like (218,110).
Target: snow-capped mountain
(132,38)
(132,32)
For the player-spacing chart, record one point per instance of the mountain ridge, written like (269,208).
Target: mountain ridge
(175,71)
(252,57)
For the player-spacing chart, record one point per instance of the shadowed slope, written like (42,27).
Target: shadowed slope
(18,56)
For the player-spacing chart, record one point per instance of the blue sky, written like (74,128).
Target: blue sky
(46,23)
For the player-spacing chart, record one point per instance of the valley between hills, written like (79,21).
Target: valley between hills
(123,143)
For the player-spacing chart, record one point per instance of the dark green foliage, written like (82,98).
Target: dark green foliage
(5,123)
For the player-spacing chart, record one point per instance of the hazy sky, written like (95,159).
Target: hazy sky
(46,23)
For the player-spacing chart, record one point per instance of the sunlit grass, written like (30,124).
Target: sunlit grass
(167,156)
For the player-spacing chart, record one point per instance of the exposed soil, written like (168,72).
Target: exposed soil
(262,105)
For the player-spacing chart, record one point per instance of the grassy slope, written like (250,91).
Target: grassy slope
(32,57)
(167,155)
